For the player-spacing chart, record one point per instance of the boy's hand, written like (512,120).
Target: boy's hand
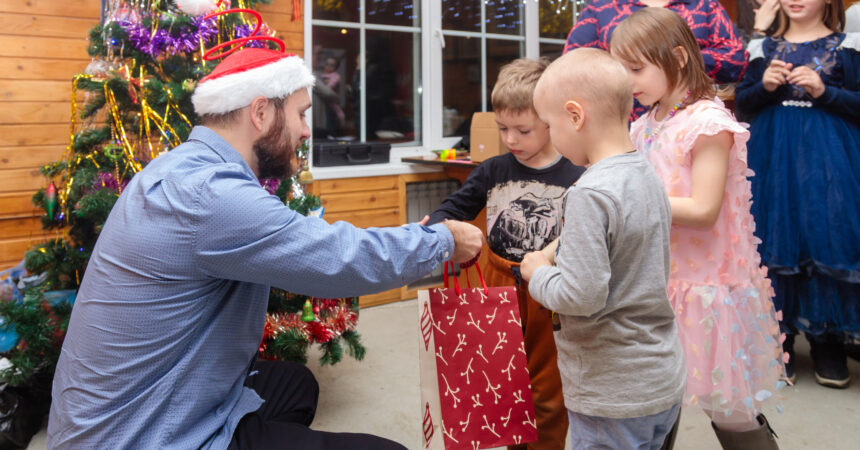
(531,262)
(549,251)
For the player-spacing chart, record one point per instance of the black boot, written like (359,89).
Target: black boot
(830,362)
(762,438)
(853,350)
(788,347)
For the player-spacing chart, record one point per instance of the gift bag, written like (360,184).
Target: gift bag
(475,390)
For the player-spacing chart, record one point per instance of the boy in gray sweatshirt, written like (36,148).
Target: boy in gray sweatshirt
(620,358)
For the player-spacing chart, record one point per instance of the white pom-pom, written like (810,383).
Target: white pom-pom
(196,7)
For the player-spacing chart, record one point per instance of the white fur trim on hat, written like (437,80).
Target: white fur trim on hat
(237,90)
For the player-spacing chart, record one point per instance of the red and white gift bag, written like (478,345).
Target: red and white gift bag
(475,390)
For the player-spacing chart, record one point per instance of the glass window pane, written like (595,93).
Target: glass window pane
(461,84)
(393,80)
(499,53)
(461,15)
(505,16)
(393,12)
(343,10)
(551,50)
(335,95)
(556,18)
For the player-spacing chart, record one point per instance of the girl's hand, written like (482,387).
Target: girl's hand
(765,15)
(531,262)
(775,75)
(808,79)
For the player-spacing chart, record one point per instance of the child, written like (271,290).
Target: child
(721,296)
(621,361)
(803,92)
(523,192)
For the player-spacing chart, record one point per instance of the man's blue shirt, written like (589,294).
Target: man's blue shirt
(170,311)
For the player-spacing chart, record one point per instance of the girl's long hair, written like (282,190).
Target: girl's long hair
(833,18)
(654,34)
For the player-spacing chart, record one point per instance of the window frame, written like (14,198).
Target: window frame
(432,38)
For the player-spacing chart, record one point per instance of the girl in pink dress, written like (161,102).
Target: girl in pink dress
(717,286)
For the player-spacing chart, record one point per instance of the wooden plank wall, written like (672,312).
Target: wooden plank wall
(42,46)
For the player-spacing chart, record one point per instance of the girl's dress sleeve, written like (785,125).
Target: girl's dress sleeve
(750,96)
(845,100)
(724,54)
(709,118)
(585,32)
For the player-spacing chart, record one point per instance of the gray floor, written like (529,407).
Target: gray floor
(380,394)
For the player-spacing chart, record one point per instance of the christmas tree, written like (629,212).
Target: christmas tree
(147,57)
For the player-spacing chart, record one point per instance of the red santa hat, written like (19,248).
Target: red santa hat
(248,74)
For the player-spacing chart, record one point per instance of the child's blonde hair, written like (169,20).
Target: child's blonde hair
(654,34)
(833,18)
(514,89)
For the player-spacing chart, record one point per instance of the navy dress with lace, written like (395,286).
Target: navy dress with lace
(805,153)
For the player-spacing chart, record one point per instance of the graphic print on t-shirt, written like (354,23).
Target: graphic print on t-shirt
(523,216)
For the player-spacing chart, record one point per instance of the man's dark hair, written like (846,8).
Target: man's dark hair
(229,118)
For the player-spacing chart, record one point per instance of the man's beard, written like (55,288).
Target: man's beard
(275,152)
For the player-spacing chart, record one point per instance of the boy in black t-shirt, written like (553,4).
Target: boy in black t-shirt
(523,192)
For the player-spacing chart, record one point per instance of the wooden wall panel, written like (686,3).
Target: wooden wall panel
(15,158)
(17,204)
(43,45)
(14,68)
(87,9)
(36,112)
(44,26)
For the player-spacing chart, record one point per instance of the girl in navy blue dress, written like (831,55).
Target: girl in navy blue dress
(802,90)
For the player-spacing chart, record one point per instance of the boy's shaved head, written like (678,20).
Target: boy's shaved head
(591,77)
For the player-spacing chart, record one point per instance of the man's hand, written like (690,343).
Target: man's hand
(531,262)
(468,240)
(775,75)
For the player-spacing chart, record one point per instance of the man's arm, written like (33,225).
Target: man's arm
(243,233)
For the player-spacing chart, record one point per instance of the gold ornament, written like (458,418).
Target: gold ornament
(305,176)
(188,85)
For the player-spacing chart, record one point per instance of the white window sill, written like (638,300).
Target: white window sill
(394,167)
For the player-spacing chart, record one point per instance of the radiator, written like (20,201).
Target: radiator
(423,198)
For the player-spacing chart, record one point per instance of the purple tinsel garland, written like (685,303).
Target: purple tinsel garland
(162,41)
(270,184)
(107,180)
(245,31)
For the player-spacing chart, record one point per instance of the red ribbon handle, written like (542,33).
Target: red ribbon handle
(457,282)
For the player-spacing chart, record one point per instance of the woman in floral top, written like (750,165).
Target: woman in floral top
(718,39)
